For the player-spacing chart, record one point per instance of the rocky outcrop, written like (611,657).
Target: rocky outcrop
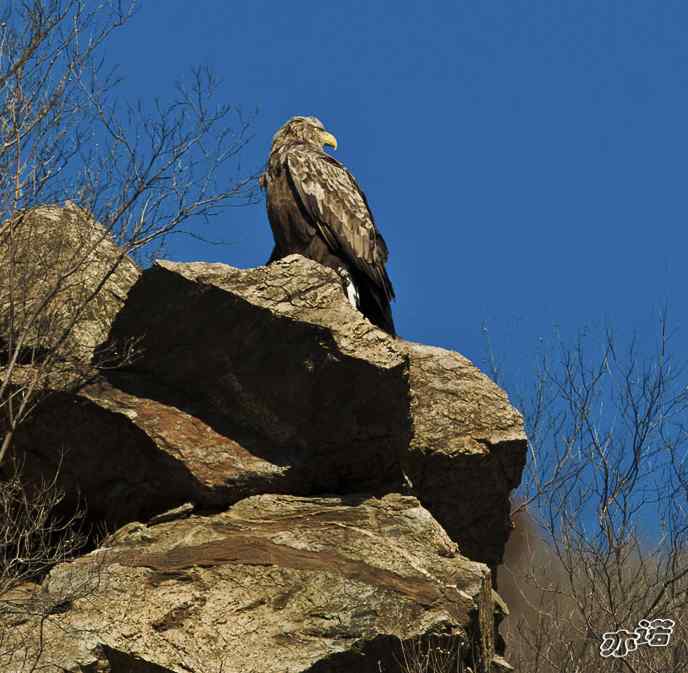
(275,584)
(266,381)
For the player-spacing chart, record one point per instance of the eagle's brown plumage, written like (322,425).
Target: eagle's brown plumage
(317,209)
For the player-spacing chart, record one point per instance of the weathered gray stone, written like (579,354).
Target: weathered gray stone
(277,584)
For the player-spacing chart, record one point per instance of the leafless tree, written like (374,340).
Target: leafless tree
(88,185)
(602,543)
(135,172)
(34,537)
(437,654)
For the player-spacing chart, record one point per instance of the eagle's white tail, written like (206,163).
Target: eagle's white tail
(350,288)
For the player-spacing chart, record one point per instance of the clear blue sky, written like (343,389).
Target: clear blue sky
(525,160)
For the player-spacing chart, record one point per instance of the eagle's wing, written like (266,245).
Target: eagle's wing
(331,198)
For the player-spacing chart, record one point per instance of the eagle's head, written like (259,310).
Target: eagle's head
(308,130)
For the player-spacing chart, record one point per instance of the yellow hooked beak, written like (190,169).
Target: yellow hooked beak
(328,139)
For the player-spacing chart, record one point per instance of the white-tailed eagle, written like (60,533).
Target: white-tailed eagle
(317,209)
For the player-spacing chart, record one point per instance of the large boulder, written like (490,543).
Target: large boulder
(276,350)
(276,584)
(278,353)
(56,257)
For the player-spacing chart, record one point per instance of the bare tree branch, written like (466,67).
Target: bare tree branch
(605,490)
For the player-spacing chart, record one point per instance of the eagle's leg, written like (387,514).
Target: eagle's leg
(349,287)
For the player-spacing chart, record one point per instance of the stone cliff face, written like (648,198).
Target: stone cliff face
(346,493)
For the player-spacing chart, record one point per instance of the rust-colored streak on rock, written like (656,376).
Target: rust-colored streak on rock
(249,550)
